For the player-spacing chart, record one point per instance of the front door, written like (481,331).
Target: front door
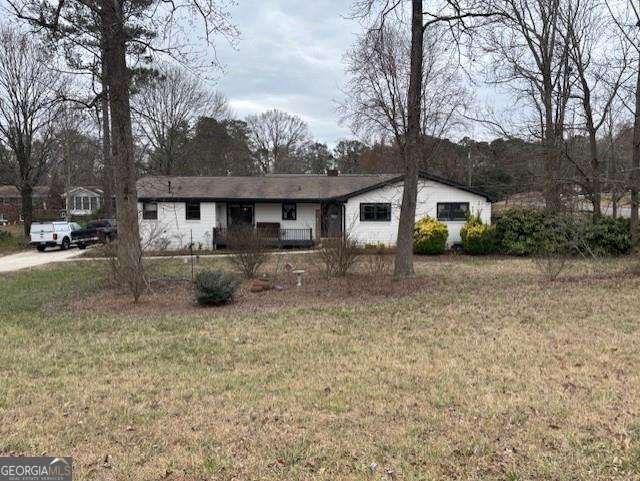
(331,219)
(239,215)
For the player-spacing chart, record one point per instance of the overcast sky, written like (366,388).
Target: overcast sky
(289,57)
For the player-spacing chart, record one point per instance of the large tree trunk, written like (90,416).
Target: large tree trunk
(67,173)
(550,190)
(107,162)
(550,185)
(26,208)
(635,175)
(596,185)
(411,152)
(128,250)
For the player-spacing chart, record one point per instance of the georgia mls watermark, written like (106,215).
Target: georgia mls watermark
(35,469)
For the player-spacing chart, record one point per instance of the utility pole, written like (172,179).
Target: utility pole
(469,167)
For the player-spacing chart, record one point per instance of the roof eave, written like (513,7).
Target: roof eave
(147,198)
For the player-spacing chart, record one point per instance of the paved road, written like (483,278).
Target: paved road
(33,258)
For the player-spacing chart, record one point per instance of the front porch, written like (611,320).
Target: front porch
(271,236)
(280,224)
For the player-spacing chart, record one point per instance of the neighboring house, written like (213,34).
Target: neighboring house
(11,201)
(83,200)
(9,194)
(298,209)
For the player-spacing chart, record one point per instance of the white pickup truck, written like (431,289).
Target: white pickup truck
(52,234)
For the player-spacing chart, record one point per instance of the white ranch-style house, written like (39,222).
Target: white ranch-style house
(296,210)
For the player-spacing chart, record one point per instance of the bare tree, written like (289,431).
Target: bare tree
(459,17)
(376,92)
(530,57)
(599,63)
(276,136)
(117,25)
(167,107)
(626,16)
(616,182)
(29,105)
(69,123)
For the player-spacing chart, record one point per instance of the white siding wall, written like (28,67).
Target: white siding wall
(174,230)
(429,194)
(305,216)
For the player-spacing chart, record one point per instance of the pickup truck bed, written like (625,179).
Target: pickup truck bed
(51,234)
(96,231)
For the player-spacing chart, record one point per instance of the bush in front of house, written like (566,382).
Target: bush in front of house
(215,288)
(378,259)
(518,231)
(429,236)
(605,236)
(249,249)
(338,255)
(477,237)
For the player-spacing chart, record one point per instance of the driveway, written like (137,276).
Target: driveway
(33,258)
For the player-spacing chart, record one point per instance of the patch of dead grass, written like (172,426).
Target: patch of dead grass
(174,296)
(480,372)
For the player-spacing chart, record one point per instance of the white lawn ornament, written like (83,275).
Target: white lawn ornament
(298,273)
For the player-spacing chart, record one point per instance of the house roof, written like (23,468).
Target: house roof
(11,191)
(272,187)
(87,188)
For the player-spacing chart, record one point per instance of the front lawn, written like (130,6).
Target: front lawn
(478,369)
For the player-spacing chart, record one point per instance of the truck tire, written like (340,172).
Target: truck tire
(82,246)
(40,248)
(65,244)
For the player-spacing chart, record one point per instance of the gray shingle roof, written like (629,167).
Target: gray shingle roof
(270,187)
(301,187)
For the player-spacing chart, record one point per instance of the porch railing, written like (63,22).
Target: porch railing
(276,237)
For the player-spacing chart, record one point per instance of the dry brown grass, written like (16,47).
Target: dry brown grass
(480,372)
(171,293)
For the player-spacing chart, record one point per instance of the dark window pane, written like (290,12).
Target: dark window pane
(375,212)
(193,210)
(150,211)
(452,211)
(443,211)
(289,212)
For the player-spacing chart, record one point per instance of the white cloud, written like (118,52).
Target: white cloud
(290,58)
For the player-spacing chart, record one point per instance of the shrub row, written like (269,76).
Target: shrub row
(527,232)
